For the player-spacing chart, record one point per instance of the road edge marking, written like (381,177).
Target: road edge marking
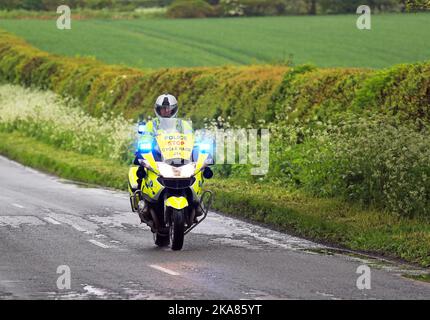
(99,244)
(51,220)
(165,270)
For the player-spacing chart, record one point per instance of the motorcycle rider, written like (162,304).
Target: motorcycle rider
(166,106)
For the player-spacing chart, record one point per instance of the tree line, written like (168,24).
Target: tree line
(260,7)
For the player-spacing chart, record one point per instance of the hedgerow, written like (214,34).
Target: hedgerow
(246,94)
(378,161)
(242,92)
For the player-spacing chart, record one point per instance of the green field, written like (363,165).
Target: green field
(325,41)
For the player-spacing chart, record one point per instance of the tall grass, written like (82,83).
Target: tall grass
(61,123)
(376,160)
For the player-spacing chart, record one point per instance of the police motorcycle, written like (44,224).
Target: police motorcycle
(166,188)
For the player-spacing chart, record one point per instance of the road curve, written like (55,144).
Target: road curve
(46,222)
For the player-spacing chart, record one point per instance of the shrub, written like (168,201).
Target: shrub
(232,8)
(377,161)
(263,7)
(190,9)
(320,94)
(253,7)
(402,90)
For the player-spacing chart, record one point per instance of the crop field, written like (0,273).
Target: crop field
(326,41)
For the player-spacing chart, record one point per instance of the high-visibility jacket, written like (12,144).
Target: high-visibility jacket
(151,127)
(149,133)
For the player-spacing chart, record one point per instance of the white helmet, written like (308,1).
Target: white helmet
(166,106)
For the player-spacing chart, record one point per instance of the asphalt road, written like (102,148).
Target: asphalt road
(46,222)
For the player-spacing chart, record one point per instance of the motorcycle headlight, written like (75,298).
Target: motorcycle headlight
(187,170)
(168,171)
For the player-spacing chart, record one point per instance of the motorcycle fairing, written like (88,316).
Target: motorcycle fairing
(176,202)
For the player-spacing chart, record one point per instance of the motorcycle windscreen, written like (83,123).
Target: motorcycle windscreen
(175,139)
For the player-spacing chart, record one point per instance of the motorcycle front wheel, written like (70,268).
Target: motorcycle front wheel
(177,228)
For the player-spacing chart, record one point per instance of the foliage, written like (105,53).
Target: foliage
(63,124)
(253,7)
(190,9)
(50,5)
(229,7)
(232,8)
(85,14)
(376,161)
(340,6)
(418,4)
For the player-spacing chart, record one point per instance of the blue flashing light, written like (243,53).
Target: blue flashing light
(145,147)
(204,147)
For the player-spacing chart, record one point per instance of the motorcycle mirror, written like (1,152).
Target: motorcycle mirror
(141,127)
(207,173)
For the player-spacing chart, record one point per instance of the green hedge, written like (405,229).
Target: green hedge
(318,94)
(243,93)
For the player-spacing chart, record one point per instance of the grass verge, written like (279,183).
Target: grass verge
(326,220)
(423,277)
